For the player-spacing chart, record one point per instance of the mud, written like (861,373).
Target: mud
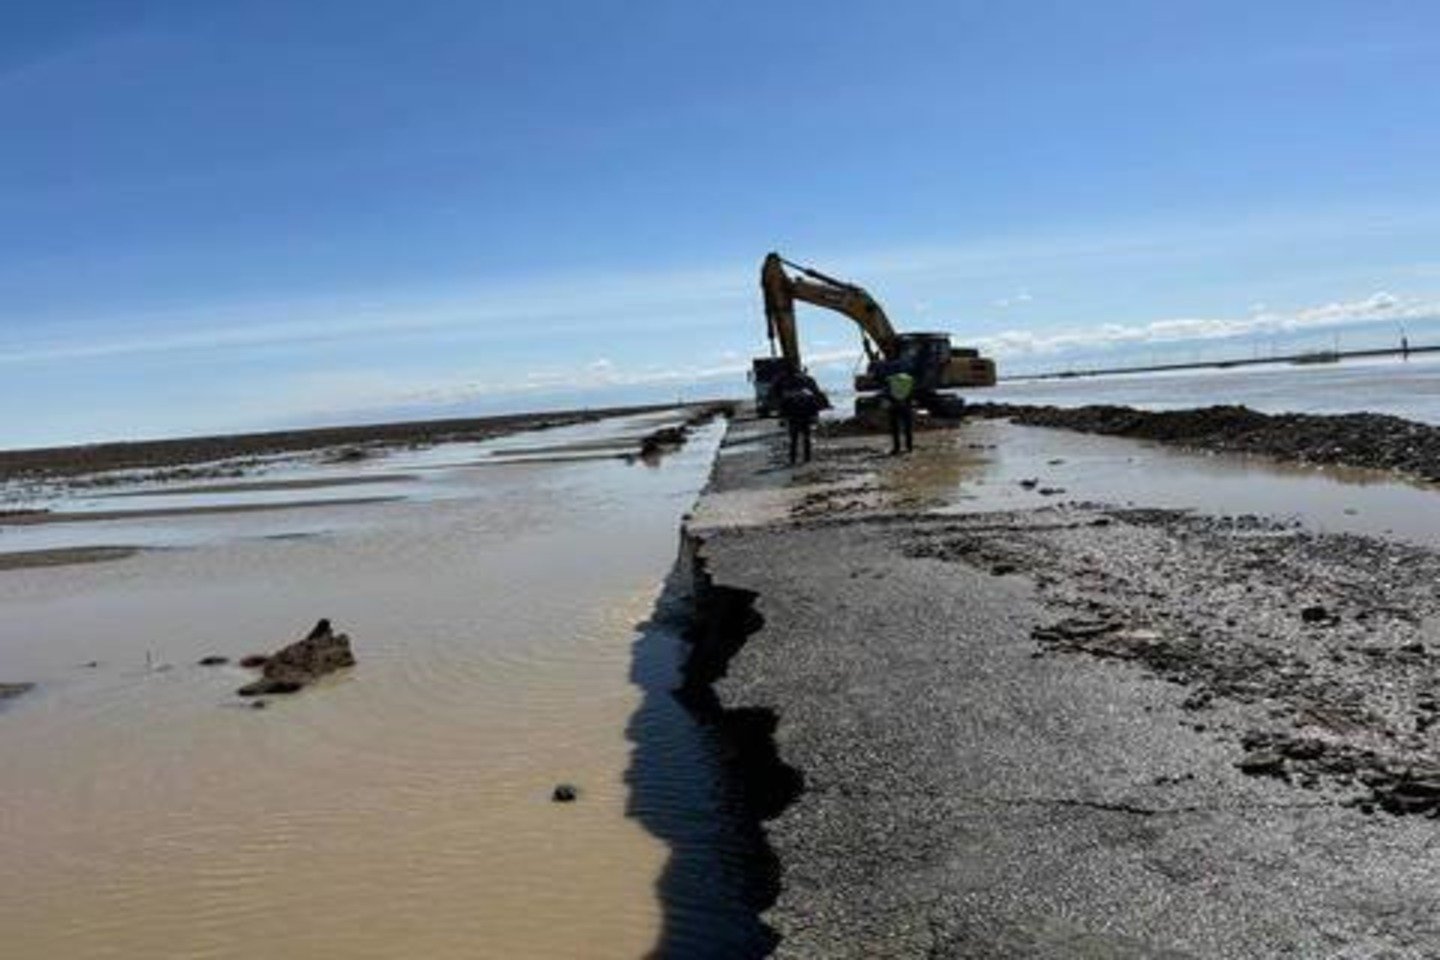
(37,518)
(259,486)
(29,559)
(1328,641)
(1368,440)
(1074,729)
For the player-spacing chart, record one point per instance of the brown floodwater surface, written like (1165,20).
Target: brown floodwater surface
(400,809)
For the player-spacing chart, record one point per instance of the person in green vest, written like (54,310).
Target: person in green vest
(900,398)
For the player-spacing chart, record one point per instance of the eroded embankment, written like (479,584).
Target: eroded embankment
(758,784)
(1367,440)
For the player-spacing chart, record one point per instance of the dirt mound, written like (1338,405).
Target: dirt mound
(1370,440)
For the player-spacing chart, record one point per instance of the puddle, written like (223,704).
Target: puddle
(981,466)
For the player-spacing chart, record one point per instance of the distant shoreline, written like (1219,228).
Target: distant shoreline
(69,461)
(1311,356)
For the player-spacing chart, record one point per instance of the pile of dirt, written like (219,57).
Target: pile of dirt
(1369,440)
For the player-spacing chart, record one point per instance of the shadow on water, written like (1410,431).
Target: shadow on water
(703,779)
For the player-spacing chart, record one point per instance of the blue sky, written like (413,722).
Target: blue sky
(225,216)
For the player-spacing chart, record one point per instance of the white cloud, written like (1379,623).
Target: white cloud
(1380,307)
(1005,303)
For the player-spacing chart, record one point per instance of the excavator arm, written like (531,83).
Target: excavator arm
(782,290)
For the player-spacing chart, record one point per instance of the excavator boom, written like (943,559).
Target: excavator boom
(781,291)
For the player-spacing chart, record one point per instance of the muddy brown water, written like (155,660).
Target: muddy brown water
(401,809)
(982,468)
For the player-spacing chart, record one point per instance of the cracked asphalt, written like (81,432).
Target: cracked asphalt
(977,785)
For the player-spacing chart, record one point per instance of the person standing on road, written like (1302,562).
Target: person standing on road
(900,398)
(801,401)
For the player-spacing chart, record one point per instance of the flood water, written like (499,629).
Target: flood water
(1409,389)
(495,600)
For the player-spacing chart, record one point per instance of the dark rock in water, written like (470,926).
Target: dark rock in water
(292,668)
(213,661)
(564,793)
(254,661)
(1003,569)
(1031,483)
(1317,614)
(9,691)
(265,686)
(662,440)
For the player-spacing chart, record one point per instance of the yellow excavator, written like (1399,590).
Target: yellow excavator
(928,357)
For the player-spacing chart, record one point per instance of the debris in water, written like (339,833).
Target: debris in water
(564,793)
(213,661)
(301,663)
(9,691)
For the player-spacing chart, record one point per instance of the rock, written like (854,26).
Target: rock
(564,793)
(254,661)
(9,691)
(1051,491)
(1198,700)
(662,440)
(292,668)
(1303,749)
(1317,614)
(259,704)
(1002,569)
(213,661)
(1030,484)
(1262,763)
